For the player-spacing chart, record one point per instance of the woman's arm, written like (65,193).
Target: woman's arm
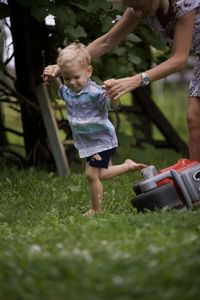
(109,40)
(181,48)
(115,35)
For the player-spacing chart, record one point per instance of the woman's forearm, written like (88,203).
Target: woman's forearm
(99,47)
(181,48)
(122,86)
(170,66)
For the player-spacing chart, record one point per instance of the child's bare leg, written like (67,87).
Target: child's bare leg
(96,190)
(113,171)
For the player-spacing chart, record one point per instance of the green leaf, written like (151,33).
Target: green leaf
(119,51)
(64,15)
(107,23)
(150,37)
(94,6)
(4,11)
(82,7)
(39,13)
(134,59)
(125,70)
(75,32)
(133,38)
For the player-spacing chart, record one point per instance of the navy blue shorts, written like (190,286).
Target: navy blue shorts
(105,158)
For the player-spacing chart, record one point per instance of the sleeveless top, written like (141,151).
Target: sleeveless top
(179,8)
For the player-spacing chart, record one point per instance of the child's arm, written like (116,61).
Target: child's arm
(55,72)
(115,103)
(52,80)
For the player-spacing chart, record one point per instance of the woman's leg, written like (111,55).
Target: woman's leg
(96,190)
(193,119)
(113,171)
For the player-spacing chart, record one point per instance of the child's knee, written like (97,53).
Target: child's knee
(90,174)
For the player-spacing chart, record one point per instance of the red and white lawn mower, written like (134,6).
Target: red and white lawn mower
(176,186)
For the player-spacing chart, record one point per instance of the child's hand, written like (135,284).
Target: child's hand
(118,87)
(47,75)
(109,83)
(50,73)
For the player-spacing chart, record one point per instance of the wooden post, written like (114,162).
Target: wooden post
(52,130)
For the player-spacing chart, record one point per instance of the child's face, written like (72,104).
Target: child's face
(75,77)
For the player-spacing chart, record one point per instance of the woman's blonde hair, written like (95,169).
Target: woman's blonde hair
(75,53)
(155,4)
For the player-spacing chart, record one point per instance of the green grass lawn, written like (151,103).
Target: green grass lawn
(49,251)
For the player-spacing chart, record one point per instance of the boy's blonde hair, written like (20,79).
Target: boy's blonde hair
(75,53)
(155,4)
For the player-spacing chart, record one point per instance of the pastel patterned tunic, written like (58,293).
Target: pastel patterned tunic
(179,9)
(87,113)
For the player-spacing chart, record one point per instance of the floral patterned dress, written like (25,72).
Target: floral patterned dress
(178,9)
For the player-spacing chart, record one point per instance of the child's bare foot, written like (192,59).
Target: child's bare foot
(133,166)
(91,213)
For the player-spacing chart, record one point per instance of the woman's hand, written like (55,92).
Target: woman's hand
(118,87)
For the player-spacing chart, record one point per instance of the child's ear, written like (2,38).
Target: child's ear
(89,70)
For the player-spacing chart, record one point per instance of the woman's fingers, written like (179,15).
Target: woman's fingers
(116,91)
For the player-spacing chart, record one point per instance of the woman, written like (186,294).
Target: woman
(177,23)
